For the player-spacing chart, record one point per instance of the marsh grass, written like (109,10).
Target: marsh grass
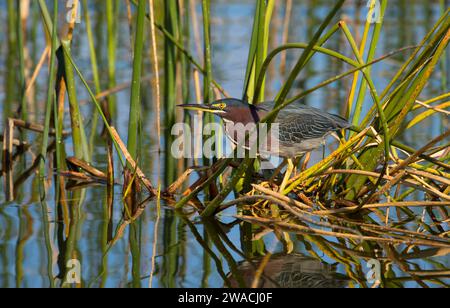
(350,195)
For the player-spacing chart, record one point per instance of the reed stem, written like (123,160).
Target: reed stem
(135,100)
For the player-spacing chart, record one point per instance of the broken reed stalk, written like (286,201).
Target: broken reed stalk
(271,223)
(37,128)
(342,210)
(75,163)
(118,88)
(141,176)
(7,161)
(36,72)
(421,151)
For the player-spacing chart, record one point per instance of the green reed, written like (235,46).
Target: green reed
(405,95)
(112,13)
(171,17)
(370,56)
(10,82)
(95,75)
(21,49)
(80,142)
(258,50)
(207,91)
(78,133)
(50,90)
(135,100)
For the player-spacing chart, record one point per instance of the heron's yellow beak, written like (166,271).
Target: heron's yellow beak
(205,108)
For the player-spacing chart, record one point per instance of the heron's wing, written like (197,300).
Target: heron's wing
(298,122)
(297,125)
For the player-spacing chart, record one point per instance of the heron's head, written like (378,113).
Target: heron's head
(230,109)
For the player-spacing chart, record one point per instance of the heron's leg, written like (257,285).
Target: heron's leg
(306,161)
(287,175)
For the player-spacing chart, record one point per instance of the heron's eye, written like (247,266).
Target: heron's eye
(221,106)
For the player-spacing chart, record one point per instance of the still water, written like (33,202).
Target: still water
(37,241)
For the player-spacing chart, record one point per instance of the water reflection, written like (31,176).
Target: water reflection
(191,252)
(288,271)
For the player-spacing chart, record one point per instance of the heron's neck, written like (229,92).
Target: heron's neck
(248,114)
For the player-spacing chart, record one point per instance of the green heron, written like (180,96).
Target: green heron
(301,129)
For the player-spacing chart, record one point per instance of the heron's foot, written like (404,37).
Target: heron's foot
(296,163)
(287,175)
